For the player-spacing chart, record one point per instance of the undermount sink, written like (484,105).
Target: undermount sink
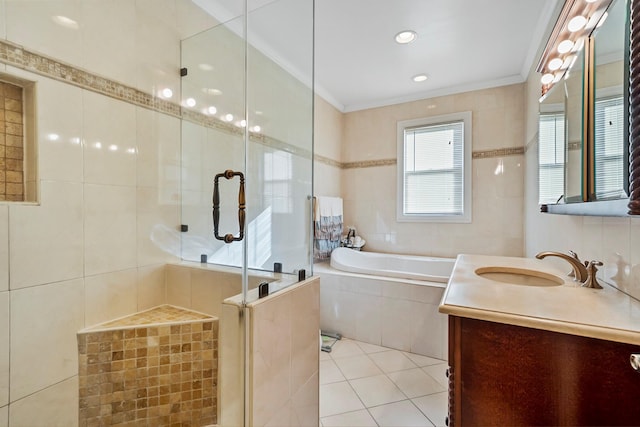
(519,276)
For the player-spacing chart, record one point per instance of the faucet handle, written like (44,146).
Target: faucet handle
(592,269)
(574,255)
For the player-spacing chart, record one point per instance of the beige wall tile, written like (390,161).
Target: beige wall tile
(155,218)
(4,348)
(4,248)
(328,129)
(107,33)
(152,288)
(44,322)
(158,157)
(231,388)
(110,228)
(178,286)
(206,292)
(109,151)
(4,414)
(111,295)
(50,233)
(30,24)
(284,356)
(56,406)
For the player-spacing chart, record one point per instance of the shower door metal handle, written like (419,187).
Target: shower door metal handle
(228,238)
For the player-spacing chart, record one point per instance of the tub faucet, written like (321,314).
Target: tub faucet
(580,271)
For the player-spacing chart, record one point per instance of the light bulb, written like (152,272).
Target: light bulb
(555,64)
(565,46)
(577,23)
(547,78)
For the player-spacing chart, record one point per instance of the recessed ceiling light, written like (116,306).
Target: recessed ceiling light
(420,78)
(166,93)
(577,23)
(212,110)
(227,117)
(190,102)
(406,36)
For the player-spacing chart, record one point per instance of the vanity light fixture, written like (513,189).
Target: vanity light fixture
(420,78)
(576,21)
(406,36)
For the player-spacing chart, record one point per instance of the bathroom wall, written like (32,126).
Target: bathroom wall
(369,176)
(328,128)
(608,239)
(108,174)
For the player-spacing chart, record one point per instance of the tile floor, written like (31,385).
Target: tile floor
(368,385)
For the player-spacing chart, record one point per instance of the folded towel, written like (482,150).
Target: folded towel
(327,206)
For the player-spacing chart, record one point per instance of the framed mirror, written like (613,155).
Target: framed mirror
(610,157)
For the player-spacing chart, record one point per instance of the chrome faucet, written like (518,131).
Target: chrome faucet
(584,273)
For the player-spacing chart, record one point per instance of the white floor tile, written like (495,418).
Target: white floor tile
(324,355)
(392,361)
(338,398)
(371,348)
(357,367)
(399,414)
(345,348)
(439,373)
(421,360)
(377,390)
(434,407)
(329,372)
(415,382)
(350,419)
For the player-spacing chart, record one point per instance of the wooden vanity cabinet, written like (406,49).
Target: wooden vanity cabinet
(509,375)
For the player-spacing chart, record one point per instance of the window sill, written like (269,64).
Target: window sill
(601,208)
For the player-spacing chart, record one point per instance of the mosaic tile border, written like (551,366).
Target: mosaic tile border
(502,152)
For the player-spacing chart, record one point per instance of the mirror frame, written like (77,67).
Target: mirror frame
(634,107)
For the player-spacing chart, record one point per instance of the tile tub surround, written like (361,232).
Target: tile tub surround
(394,313)
(158,367)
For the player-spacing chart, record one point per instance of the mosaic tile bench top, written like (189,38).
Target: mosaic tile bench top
(154,368)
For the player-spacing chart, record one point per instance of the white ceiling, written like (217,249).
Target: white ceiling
(462,45)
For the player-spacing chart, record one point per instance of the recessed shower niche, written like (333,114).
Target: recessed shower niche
(17,140)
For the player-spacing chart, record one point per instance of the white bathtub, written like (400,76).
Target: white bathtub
(394,312)
(392,265)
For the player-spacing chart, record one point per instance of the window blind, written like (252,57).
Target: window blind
(609,149)
(551,157)
(433,169)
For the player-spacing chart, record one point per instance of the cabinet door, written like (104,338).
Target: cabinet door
(510,375)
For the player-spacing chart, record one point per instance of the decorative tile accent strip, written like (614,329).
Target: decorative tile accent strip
(11,143)
(328,161)
(157,373)
(369,163)
(513,151)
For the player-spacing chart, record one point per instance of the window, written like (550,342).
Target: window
(434,169)
(609,148)
(551,151)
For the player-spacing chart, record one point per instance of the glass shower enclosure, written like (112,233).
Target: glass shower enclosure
(247,143)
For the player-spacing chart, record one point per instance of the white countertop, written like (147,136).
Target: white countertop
(569,308)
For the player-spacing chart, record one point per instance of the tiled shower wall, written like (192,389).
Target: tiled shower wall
(88,252)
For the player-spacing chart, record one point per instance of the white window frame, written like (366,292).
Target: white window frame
(465,217)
